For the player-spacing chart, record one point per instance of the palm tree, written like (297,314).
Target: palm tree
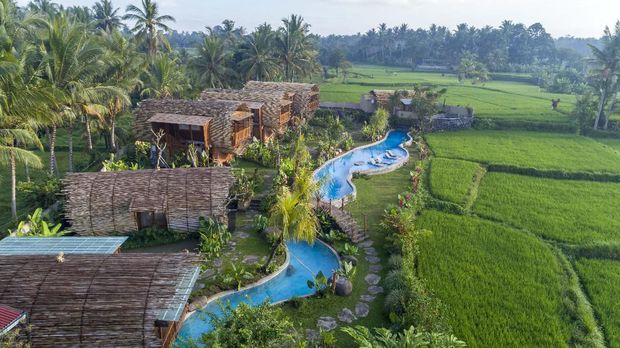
(47,7)
(604,75)
(106,16)
(258,61)
(212,63)
(124,66)
(165,78)
(294,48)
(72,61)
(149,24)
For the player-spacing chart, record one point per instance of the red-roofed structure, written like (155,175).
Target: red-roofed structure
(9,318)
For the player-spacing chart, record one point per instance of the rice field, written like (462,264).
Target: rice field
(451,180)
(602,282)
(503,287)
(569,211)
(493,99)
(542,151)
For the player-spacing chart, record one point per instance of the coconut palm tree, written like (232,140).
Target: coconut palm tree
(212,63)
(258,61)
(72,60)
(604,76)
(124,67)
(293,45)
(149,24)
(164,79)
(106,16)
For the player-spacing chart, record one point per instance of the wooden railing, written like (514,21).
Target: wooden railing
(241,135)
(314,104)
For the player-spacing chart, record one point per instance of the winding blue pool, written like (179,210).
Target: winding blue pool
(305,262)
(334,175)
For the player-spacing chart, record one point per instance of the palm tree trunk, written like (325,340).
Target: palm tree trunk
(89,136)
(52,139)
(273,252)
(113,131)
(13,186)
(70,130)
(601,106)
(610,109)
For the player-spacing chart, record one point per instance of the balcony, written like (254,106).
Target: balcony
(241,135)
(284,118)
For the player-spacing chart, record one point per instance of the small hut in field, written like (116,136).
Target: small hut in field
(103,203)
(271,109)
(224,127)
(120,300)
(306,97)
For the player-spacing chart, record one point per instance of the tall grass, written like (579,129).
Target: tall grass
(564,210)
(534,150)
(451,180)
(504,287)
(602,282)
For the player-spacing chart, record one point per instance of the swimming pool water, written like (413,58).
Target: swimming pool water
(305,262)
(333,175)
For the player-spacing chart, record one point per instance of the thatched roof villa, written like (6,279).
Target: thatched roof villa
(120,300)
(306,97)
(271,109)
(101,203)
(224,126)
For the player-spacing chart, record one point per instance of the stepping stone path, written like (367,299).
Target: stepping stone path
(250,259)
(370,251)
(312,335)
(218,262)
(326,323)
(361,310)
(366,244)
(372,279)
(375,268)
(367,298)
(374,289)
(241,235)
(347,316)
(372,259)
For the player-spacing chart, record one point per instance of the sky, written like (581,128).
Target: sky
(580,18)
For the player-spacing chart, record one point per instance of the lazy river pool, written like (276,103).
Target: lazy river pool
(334,176)
(305,261)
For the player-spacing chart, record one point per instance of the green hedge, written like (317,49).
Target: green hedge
(554,174)
(498,124)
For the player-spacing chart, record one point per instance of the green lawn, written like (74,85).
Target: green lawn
(613,143)
(503,287)
(602,282)
(451,180)
(543,151)
(564,210)
(494,99)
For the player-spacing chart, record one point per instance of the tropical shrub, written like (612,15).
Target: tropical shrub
(148,237)
(236,276)
(349,249)
(117,165)
(260,223)
(36,226)
(377,125)
(42,192)
(213,236)
(409,338)
(348,270)
(248,326)
(320,284)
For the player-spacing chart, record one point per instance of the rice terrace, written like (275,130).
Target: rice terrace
(199,174)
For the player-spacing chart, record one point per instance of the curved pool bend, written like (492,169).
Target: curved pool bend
(305,261)
(335,175)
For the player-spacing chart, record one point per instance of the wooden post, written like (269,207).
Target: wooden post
(342,203)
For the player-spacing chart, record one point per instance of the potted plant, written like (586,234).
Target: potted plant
(343,284)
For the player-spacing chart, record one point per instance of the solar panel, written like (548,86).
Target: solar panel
(55,245)
(183,290)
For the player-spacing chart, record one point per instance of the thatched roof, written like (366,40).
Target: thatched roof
(95,300)
(180,119)
(221,113)
(304,93)
(101,203)
(272,101)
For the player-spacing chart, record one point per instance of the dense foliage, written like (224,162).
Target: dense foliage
(248,326)
(214,236)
